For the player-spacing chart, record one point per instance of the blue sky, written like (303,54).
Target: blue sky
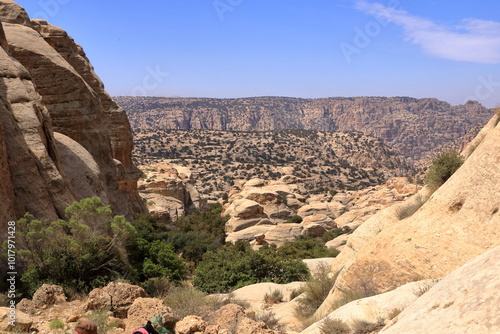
(317,48)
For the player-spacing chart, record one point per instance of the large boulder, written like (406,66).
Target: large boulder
(12,320)
(48,295)
(332,210)
(116,297)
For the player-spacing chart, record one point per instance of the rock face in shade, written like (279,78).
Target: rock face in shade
(48,85)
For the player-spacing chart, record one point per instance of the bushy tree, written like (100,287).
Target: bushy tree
(442,168)
(234,266)
(84,251)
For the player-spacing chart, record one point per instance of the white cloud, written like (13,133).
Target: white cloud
(473,40)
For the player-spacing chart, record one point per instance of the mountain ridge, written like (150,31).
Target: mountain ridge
(415,127)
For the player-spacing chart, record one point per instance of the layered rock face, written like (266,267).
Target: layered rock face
(415,127)
(169,191)
(62,137)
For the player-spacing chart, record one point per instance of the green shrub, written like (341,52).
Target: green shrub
(305,247)
(442,168)
(101,319)
(85,251)
(56,326)
(234,266)
(160,260)
(295,220)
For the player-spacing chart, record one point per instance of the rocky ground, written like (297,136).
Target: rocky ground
(217,159)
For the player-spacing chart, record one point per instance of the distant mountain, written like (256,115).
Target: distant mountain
(415,127)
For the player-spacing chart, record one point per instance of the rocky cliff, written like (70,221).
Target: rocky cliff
(456,224)
(415,127)
(62,138)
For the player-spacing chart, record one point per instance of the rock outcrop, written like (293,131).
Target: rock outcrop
(458,223)
(47,85)
(465,301)
(116,297)
(263,211)
(168,191)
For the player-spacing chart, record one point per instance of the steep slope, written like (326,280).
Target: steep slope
(63,138)
(414,127)
(459,222)
(465,301)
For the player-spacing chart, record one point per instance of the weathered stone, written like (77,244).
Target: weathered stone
(141,310)
(12,320)
(116,297)
(465,301)
(48,295)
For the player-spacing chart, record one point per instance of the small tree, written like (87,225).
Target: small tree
(84,251)
(442,168)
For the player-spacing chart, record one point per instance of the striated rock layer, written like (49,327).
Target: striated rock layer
(415,127)
(47,85)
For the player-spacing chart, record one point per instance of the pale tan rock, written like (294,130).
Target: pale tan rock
(116,296)
(12,320)
(281,233)
(339,241)
(255,183)
(465,301)
(376,309)
(249,233)
(141,310)
(316,225)
(458,223)
(332,210)
(317,265)
(48,295)
(255,293)
(81,168)
(190,325)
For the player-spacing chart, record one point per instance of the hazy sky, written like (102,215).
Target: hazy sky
(448,49)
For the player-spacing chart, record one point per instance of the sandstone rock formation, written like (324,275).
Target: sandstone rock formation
(458,223)
(141,310)
(261,209)
(48,85)
(168,191)
(48,295)
(379,309)
(412,126)
(116,297)
(465,301)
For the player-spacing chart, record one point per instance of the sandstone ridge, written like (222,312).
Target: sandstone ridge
(62,138)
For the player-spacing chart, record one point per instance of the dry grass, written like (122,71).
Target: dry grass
(333,326)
